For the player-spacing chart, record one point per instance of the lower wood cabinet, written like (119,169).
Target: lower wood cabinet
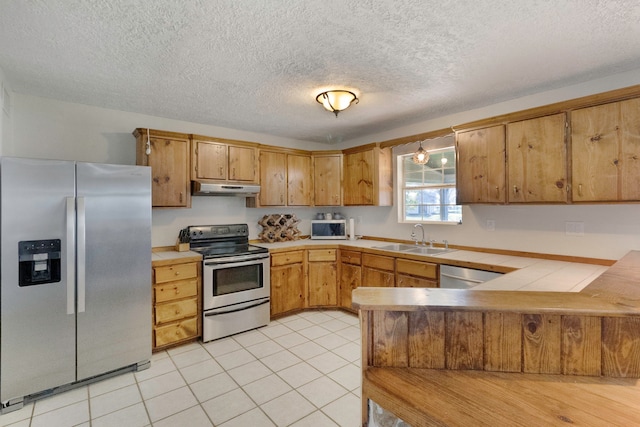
(309,278)
(416,274)
(288,282)
(378,270)
(323,277)
(350,276)
(176,304)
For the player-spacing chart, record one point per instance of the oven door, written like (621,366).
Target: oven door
(232,280)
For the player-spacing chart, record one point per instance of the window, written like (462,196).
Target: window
(428,192)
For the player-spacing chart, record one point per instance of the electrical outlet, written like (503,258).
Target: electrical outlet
(574,228)
(491,225)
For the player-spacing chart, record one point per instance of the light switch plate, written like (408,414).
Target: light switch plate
(491,225)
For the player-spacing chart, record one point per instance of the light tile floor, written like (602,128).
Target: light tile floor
(301,370)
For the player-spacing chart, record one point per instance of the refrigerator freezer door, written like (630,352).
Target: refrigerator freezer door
(37,345)
(114,317)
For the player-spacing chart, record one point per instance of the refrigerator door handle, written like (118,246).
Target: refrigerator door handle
(82,233)
(71,255)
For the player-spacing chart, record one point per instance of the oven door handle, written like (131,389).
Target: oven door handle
(246,307)
(239,262)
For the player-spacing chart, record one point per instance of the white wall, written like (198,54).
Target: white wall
(53,129)
(6,126)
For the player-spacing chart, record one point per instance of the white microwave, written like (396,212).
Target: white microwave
(329,229)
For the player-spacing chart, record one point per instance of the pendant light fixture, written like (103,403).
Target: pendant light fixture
(421,156)
(336,100)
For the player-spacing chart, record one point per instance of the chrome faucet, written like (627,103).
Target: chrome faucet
(421,228)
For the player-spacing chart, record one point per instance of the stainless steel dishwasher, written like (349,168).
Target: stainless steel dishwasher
(463,278)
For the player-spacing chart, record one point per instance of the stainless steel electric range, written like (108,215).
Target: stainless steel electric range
(236,279)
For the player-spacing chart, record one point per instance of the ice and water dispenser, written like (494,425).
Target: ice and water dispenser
(39,262)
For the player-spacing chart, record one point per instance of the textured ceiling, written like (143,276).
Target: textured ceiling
(257,65)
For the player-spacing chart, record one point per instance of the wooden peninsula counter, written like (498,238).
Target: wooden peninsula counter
(483,357)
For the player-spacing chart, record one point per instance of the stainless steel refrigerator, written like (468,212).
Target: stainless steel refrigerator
(75,276)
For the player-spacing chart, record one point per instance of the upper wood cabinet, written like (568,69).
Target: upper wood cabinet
(605,152)
(273,178)
(481,165)
(285,179)
(169,160)
(368,176)
(537,160)
(299,180)
(223,160)
(327,179)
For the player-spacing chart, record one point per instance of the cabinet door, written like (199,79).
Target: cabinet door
(287,288)
(537,160)
(374,277)
(211,160)
(322,284)
(327,178)
(242,163)
(481,166)
(169,161)
(299,180)
(349,280)
(605,147)
(273,184)
(358,178)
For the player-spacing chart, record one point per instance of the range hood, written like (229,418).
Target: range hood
(201,188)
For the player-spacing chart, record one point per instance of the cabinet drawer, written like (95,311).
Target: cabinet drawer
(187,328)
(322,255)
(176,310)
(405,281)
(176,290)
(350,257)
(175,272)
(378,262)
(293,257)
(417,268)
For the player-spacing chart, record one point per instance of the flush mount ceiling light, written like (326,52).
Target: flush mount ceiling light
(336,100)
(421,156)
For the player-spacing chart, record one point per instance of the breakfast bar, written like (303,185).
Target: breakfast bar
(486,357)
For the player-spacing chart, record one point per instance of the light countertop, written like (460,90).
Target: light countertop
(531,274)
(171,257)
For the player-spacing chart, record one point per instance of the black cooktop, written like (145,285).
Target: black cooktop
(221,240)
(210,252)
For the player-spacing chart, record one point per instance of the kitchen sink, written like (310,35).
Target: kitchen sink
(428,251)
(396,247)
(413,249)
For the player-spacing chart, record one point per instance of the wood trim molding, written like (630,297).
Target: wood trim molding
(415,138)
(138,132)
(558,107)
(224,141)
